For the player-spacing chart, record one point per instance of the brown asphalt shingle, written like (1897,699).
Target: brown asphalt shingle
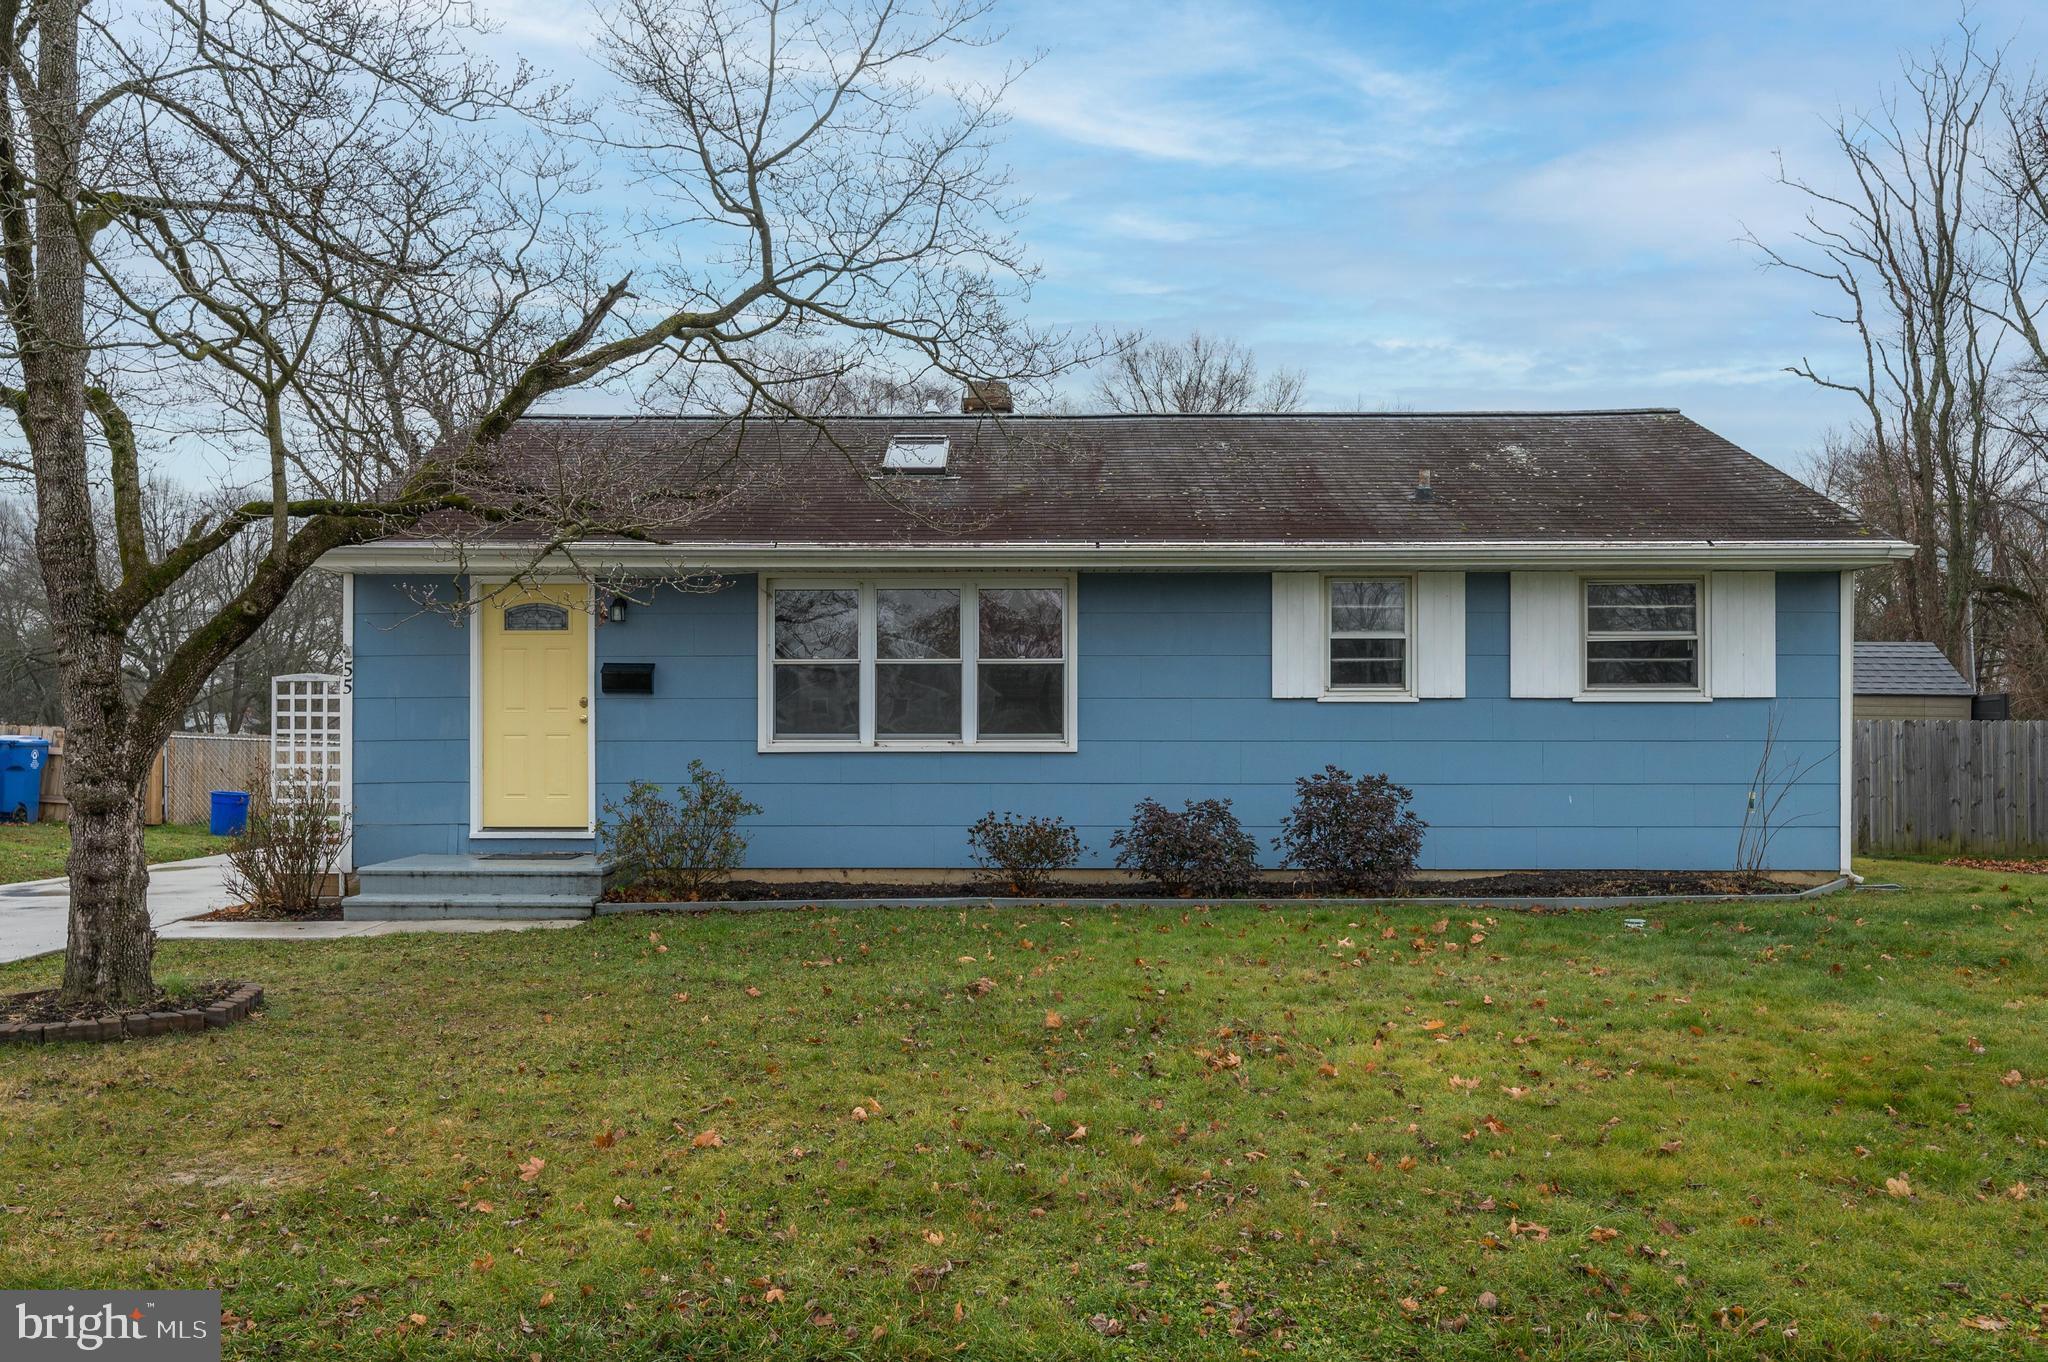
(1643,476)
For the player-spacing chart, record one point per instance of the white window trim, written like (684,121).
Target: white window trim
(474,623)
(1369,695)
(1700,693)
(867,740)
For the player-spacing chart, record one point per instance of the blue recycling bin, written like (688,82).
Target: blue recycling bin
(230,813)
(21,776)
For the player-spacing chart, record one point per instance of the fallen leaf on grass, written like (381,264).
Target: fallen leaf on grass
(1899,1186)
(934,1237)
(1053,1022)
(2012,1078)
(530,1170)
(1078,1133)
(1989,1324)
(1463,1084)
(753,992)
(547,1298)
(707,1139)
(1600,1234)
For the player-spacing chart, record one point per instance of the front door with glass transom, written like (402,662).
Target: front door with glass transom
(535,706)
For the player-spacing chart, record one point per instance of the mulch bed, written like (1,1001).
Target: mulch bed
(1516,884)
(329,911)
(2001,867)
(31,1018)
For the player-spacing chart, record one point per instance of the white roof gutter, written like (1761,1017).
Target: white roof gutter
(742,556)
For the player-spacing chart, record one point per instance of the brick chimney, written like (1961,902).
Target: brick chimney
(990,396)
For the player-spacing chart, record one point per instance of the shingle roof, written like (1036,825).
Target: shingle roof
(1907,669)
(1639,476)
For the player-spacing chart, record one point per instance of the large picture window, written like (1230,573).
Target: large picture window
(886,663)
(1368,625)
(1643,635)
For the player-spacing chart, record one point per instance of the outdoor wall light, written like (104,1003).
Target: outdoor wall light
(616,610)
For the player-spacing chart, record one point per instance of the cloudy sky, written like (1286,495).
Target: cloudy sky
(1458,205)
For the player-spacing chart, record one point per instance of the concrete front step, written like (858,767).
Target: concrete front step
(510,876)
(415,887)
(415,907)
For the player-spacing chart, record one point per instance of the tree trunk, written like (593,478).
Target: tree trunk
(109,944)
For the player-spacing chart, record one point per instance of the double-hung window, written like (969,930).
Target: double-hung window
(1369,635)
(924,663)
(1642,635)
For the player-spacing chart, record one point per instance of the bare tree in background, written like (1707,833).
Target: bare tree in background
(1199,374)
(1904,251)
(301,635)
(322,236)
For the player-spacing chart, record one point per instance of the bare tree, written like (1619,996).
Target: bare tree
(1199,374)
(321,236)
(1906,250)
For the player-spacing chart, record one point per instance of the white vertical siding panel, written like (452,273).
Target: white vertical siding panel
(1742,634)
(1440,635)
(1297,635)
(1543,635)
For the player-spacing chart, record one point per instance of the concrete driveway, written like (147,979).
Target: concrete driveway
(32,915)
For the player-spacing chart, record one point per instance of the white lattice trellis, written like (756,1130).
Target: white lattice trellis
(309,736)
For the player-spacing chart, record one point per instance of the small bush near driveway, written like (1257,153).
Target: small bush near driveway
(279,863)
(677,847)
(1201,849)
(1350,835)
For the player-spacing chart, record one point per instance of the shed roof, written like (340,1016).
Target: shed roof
(1907,669)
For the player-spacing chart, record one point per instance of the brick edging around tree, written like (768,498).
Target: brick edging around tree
(236,1005)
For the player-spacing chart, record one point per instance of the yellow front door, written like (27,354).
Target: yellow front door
(536,707)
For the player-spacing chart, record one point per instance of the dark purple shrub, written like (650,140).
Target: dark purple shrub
(1350,836)
(1025,851)
(1203,849)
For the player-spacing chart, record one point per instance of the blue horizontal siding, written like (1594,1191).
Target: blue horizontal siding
(1173,704)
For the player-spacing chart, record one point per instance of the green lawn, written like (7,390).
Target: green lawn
(36,851)
(1811,1130)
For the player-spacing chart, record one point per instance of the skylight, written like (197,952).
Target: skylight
(917,453)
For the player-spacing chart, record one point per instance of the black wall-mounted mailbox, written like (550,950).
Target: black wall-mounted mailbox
(627,678)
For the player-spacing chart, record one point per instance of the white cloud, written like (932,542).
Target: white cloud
(1225,84)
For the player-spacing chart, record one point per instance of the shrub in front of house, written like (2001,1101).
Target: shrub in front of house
(677,848)
(1202,849)
(1350,835)
(278,864)
(1027,852)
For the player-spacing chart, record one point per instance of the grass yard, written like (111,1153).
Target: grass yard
(36,851)
(1816,1130)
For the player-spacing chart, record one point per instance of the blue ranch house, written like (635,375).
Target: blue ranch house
(1570,633)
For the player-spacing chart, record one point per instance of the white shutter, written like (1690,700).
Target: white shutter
(1543,635)
(1297,635)
(1440,635)
(1742,634)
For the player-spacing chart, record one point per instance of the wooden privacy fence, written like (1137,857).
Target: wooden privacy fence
(181,781)
(196,764)
(1951,785)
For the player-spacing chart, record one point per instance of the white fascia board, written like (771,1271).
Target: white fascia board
(1331,555)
